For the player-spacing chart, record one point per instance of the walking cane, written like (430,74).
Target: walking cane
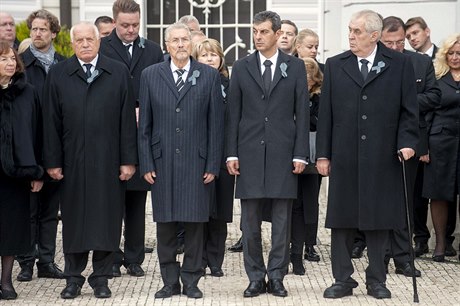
(411,249)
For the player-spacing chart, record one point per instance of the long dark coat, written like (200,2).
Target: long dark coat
(145,53)
(361,126)
(428,95)
(441,173)
(180,138)
(90,131)
(267,130)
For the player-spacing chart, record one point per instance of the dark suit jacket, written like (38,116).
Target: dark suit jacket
(361,125)
(267,130)
(428,95)
(181,138)
(145,53)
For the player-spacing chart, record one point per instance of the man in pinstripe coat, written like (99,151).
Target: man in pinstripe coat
(180,149)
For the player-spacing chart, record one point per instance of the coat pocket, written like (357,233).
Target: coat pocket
(203,153)
(156,146)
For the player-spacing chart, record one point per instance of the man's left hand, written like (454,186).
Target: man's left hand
(208,178)
(126,172)
(407,153)
(298,167)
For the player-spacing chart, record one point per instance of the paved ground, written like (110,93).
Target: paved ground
(439,284)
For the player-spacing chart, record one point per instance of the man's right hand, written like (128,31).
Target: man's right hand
(150,177)
(233,167)
(55,173)
(323,166)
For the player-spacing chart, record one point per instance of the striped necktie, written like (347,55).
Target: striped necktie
(180,81)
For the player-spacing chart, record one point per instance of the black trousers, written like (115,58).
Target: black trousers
(278,259)
(44,207)
(75,264)
(191,270)
(305,212)
(215,234)
(341,246)
(134,230)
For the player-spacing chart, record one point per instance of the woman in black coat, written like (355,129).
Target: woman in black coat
(306,208)
(210,52)
(441,181)
(19,158)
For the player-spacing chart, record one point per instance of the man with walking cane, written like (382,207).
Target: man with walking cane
(368,112)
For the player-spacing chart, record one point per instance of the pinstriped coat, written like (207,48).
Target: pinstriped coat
(180,138)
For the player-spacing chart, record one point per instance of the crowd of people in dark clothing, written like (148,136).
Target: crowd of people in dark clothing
(84,139)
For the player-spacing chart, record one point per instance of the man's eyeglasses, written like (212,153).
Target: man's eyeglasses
(398,43)
(176,41)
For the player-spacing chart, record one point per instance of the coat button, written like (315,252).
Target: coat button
(364,97)
(457,91)
(363,137)
(177,130)
(364,117)
(177,151)
(266,119)
(178,110)
(262,142)
(131,77)
(263,97)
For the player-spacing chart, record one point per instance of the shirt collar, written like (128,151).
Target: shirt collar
(370,58)
(93,62)
(174,67)
(430,51)
(273,59)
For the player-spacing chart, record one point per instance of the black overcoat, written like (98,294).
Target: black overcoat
(266,131)
(361,125)
(181,138)
(441,176)
(144,53)
(90,131)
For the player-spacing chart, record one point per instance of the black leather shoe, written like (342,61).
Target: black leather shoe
(357,252)
(297,264)
(338,290)
(168,291)
(25,275)
(255,288)
(276,288)
(116,270)
(148,250)
(378,290)
(450,251)
(406,270)
(310,253)
(438,258)
(420,249)
(102,292)
(135,270)
(50,270)
(71,291)
(216,271)
(238,246)
(8,294)
(192,292)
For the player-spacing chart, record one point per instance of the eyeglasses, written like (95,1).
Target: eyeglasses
(398,43)
(177,41)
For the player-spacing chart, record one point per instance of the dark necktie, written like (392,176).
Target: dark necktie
(127,51)
(88,70)
(267,76)
(364,69)
(180,81)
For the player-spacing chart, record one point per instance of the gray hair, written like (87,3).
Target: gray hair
(372,20)
(186,19)
(90,24)
(176,26)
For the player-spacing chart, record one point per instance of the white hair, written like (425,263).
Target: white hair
(96,31)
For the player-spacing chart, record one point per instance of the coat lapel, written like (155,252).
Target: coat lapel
(350,66)
(254,69)
(118,46)
(166,74)
(379,65)
(137,54)
(282,58)
(449,80)
(74,67)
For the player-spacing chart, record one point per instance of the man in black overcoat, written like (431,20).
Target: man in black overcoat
(44,206)
(90,146)
(180,149)
(267,145)
(428,98)
(126,46)
(368,112)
